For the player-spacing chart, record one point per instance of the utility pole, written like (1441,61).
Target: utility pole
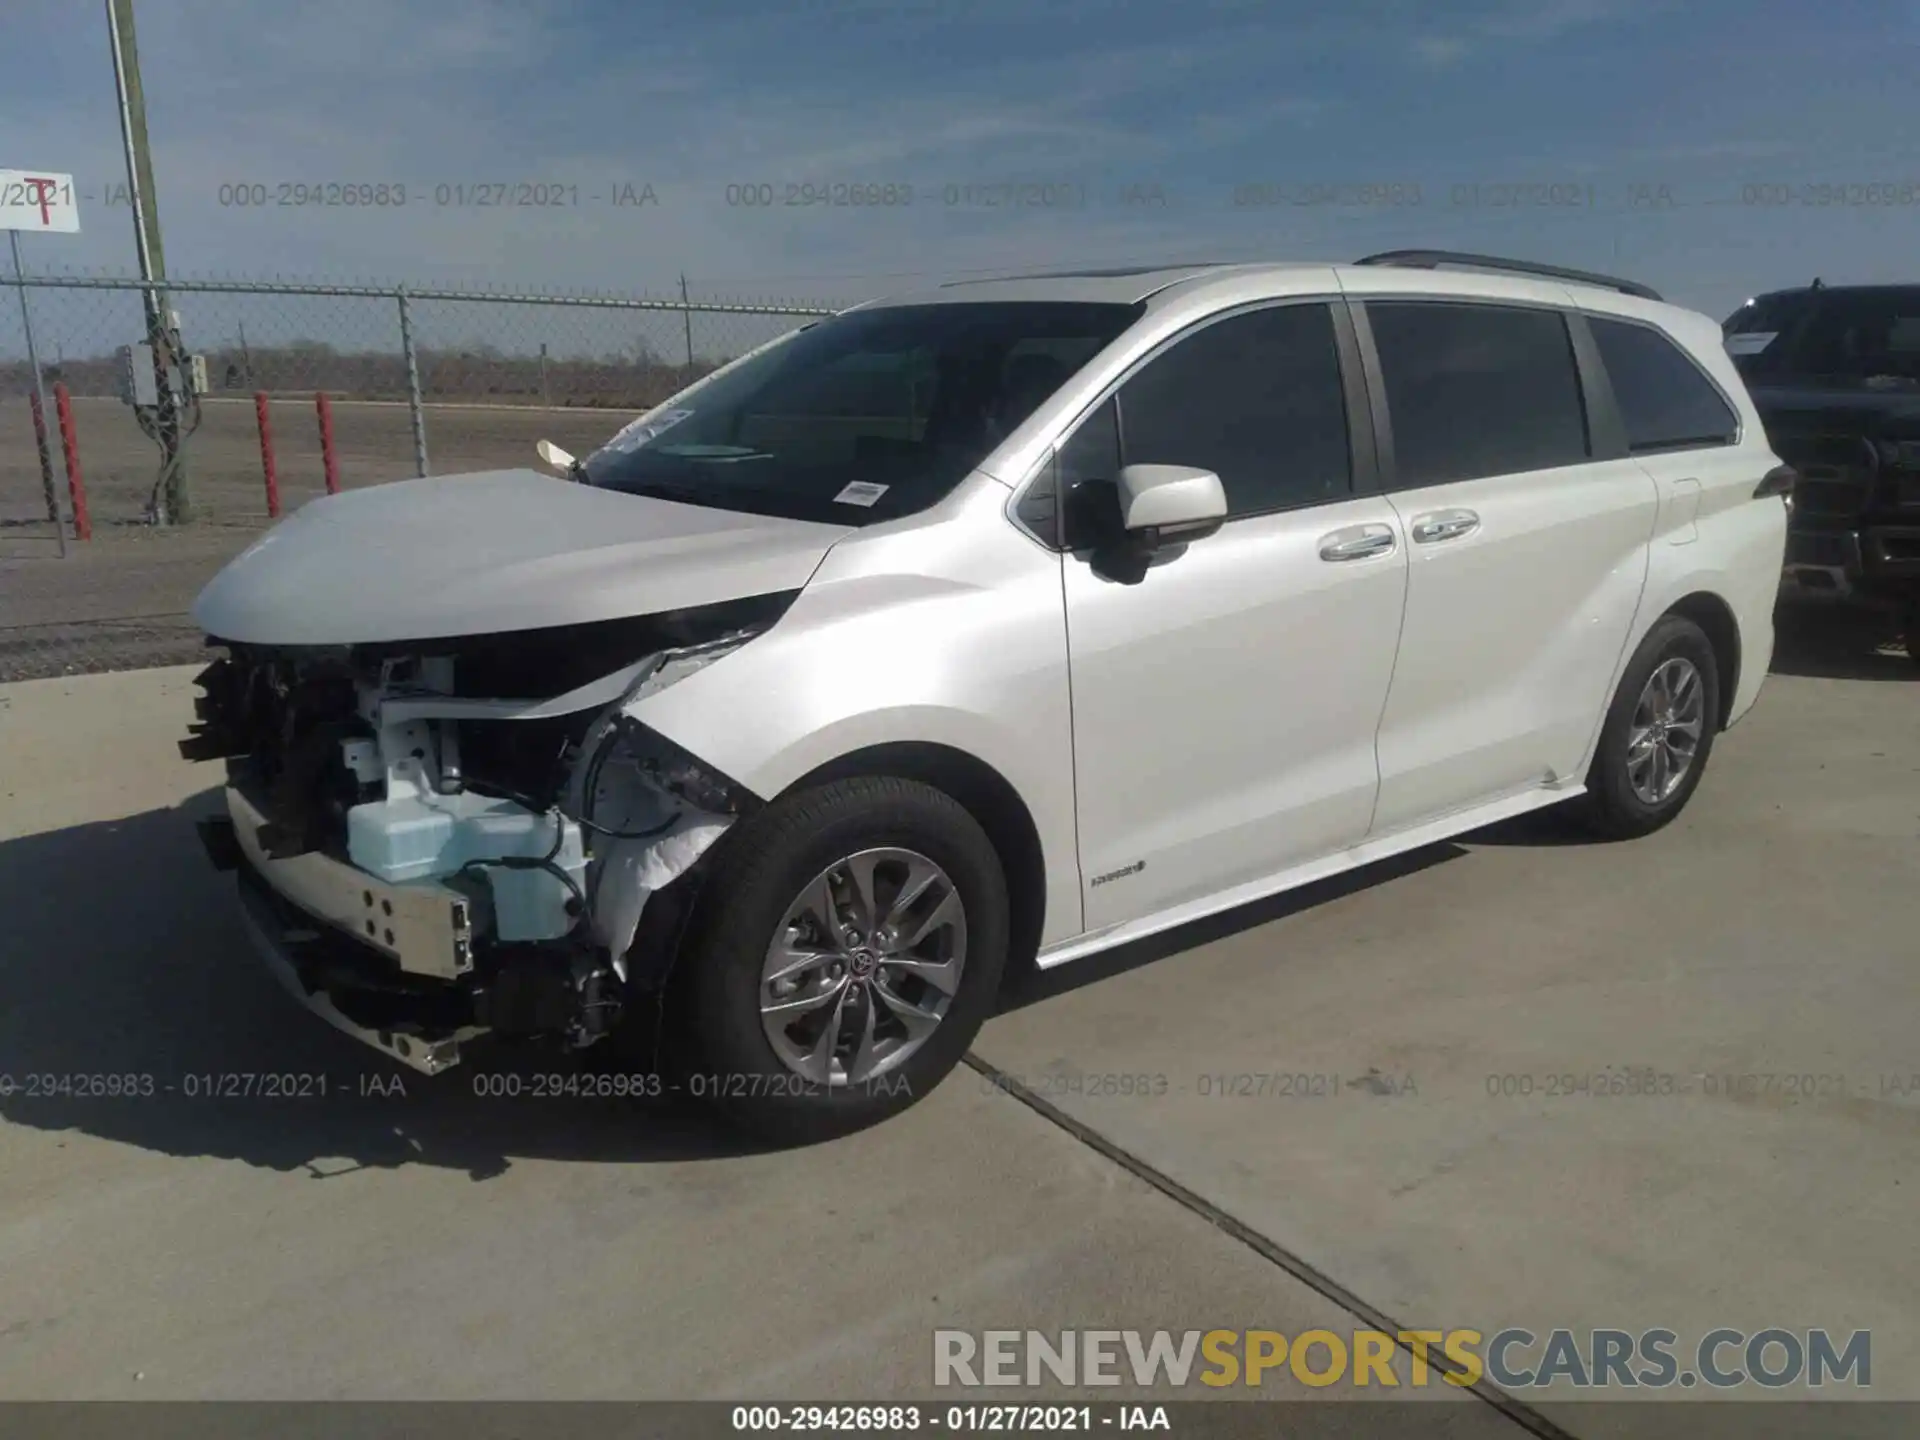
(175,499)
(686,315)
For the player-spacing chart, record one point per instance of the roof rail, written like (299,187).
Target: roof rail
(1432,259)
(1117,272)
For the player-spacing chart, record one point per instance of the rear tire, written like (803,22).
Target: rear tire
(1658,733)
(1910,630)
(765,977)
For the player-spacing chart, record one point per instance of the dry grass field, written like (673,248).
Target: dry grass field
(120,599)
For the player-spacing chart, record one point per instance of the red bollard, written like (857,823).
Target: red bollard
(266,454)
(325,408)
(76,486)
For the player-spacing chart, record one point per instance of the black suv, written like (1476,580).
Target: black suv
(1835,372)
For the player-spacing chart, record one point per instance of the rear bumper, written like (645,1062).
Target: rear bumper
(1878,562)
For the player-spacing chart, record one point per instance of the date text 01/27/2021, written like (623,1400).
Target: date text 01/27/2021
(1244,1084)
(105,1087)
(1010,195)
(197,1085)
(905,1417)
(648,1085)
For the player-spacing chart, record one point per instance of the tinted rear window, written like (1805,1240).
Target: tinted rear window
(1847,335)
(1766,313)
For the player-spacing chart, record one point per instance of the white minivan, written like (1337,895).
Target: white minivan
(989,626)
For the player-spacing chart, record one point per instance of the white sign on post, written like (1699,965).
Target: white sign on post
(38,200)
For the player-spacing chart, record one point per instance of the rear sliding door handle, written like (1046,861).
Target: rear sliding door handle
(1438,525)
(1356,542)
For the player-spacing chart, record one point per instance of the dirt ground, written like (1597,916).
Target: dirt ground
(120,599)
(373,442)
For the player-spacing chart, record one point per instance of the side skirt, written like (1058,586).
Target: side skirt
(1368,852)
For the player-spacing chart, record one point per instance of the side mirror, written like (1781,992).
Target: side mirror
(555,458)
(1170,504)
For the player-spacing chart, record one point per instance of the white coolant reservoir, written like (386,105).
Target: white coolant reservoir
(427,836)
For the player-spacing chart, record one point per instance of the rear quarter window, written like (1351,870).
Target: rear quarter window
(1666,402)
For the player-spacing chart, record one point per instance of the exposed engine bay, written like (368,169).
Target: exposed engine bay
(449,838)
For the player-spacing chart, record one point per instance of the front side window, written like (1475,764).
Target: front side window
(865,417)
(1478,390)
(1665,402)
(1257,399)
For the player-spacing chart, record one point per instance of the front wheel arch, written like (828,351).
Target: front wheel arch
(989,797)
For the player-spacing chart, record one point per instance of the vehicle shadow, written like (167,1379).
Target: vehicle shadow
(1840,644)
(1553,826)
(1031,985)
(124,956)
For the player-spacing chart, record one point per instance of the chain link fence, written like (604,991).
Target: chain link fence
(308,387)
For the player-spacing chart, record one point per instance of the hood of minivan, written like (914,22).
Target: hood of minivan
(502,550)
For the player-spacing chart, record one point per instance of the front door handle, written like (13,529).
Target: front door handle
(1356,542)
(1438,525)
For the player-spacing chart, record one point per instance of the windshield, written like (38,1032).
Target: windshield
(1864,336)
(864,417)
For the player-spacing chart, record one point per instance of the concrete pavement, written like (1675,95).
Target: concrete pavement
(1368,1077)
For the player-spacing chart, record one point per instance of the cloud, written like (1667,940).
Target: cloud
(406,92)
(1442,50)
(1526,22)
(1117,96)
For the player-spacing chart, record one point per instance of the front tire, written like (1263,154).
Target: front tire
(848,948)
(1658,733)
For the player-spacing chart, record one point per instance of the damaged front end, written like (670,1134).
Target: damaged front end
(448,839)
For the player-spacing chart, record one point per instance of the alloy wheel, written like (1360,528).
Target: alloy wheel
(863,966)
(1664,737)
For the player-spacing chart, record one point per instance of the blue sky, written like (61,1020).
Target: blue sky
(1656,116)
